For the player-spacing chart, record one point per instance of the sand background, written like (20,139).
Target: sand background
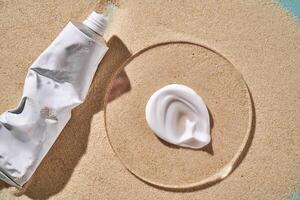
(262,41)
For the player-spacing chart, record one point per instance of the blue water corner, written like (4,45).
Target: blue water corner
(295,196)
(292,6)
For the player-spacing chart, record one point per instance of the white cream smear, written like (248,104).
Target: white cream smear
(178,115)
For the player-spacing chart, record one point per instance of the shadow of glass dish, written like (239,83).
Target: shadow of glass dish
(224,90)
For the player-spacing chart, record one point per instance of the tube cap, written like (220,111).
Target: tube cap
(96,22)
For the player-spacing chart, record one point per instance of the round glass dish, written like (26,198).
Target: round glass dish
(222,88)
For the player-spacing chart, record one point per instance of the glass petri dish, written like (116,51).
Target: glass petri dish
(225,93)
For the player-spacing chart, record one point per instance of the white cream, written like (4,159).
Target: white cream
(178,115)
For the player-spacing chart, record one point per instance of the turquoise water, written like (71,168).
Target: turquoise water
(295,196)
(292,6)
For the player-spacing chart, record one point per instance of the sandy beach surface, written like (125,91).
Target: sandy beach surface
(262,41)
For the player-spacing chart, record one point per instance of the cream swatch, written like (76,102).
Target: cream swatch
(178,115)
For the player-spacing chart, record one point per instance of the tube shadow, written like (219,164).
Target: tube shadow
(3,185)
(55,170)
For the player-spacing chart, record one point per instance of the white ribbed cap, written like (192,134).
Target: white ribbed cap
(96,22)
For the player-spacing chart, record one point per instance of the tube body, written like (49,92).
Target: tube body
(57,82)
